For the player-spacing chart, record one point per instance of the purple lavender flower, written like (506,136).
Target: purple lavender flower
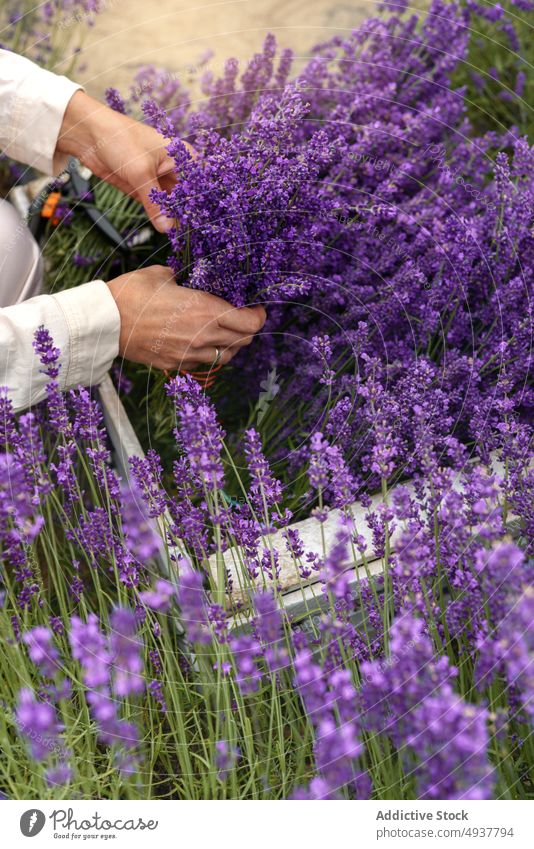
(268,628)
(509,651)
(105,661)
(451,740)
(328,472)
(42,651)
(337,566)
(165,90)
(147,474)
(200,435)
(142,541)
(265,491)
(193,603)
(333,708)
(59,774)
(160,598)
(226,757)
(218,620)
(114,100)
(310,682)
(155,688)
(409,696)
(246,651)
(37,723)
(125,654)
(20,524)
(336,751)
(49,354)
(322,349)
(89,646)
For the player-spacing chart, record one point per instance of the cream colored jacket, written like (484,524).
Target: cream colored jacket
(84,322)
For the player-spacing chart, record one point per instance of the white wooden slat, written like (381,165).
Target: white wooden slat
(297,596)
(119,427)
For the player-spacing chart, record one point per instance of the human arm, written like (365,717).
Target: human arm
(92,323)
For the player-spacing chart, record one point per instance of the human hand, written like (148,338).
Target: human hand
(170,327)
(129,155)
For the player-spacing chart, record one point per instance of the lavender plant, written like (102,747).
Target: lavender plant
(391,246)
(499,93)
(415,685)
(48,33)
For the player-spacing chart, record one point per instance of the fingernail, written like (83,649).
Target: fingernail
(162,223)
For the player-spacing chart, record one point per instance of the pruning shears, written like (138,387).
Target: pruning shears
(80,181)
(74,186)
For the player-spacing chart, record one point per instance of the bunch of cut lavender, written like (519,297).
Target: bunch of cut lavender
(245,208)
(272,155)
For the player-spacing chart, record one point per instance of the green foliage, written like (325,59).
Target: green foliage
(498,78)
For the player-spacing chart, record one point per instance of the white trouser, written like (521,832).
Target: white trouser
(21,264)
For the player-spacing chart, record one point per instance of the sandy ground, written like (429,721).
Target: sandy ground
(175,33)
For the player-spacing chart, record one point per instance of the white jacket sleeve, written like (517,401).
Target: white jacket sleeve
(32,105)
(84,322)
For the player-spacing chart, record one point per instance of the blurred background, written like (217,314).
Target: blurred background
(180,34)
